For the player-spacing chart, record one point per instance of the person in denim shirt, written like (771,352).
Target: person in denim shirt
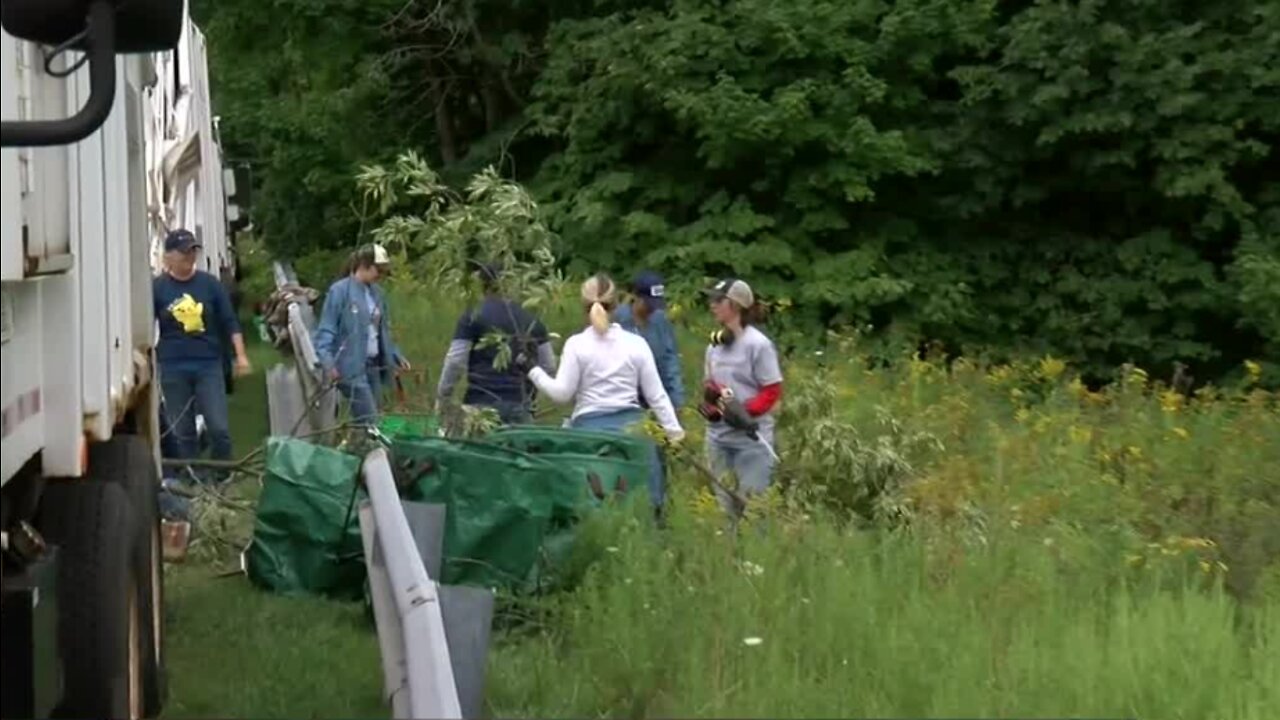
(646,316)
(352,340)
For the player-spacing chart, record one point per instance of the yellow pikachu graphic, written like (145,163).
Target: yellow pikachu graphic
(188,312)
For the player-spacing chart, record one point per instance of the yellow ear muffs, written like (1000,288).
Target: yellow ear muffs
(723,337)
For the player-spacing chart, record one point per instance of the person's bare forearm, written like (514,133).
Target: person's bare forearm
(237,342)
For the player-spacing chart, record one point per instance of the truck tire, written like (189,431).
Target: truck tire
(128,461)
(99,619)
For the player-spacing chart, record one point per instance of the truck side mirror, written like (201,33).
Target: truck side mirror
(101,28)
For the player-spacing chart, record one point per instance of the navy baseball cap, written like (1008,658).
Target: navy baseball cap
(180,241)
(649,286)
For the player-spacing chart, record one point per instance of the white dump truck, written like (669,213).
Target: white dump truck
(108,141)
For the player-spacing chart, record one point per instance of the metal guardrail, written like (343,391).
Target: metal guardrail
(426,687)
(304,391)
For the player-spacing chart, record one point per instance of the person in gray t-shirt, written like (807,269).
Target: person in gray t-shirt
(743,359)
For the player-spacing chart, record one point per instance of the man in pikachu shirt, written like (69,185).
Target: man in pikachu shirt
(195,315)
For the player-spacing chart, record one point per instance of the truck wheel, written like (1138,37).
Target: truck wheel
(100,623)
(128,461)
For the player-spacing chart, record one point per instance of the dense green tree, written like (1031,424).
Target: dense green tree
(1092,179)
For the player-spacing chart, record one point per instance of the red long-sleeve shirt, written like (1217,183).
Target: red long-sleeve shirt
(764,400)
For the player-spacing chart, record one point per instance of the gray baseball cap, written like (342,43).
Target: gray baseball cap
(734,289)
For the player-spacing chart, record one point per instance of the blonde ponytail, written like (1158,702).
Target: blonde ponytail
(600,297)
(599,318)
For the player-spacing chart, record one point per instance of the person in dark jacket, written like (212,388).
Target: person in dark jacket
(194,314)
(505,389)
(647,317)
(353,341)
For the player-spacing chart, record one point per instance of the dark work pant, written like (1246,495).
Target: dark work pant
(191,390)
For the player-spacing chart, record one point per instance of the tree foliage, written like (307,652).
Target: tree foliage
(1093,179)
(449,235)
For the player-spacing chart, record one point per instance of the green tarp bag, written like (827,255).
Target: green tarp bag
(409,426)
(306,538)
(606,463)
(499,502)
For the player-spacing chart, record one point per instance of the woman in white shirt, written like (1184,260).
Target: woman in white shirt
(604,369)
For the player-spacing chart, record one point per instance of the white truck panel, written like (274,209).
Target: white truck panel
(93,270)
(44,193)
(119,294)
(63,384)
(20,375)
(11,266)
(185,159)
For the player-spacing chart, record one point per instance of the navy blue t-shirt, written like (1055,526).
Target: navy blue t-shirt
(195,317)
(485,383)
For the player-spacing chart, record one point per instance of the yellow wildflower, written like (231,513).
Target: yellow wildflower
(1081,435)
(1192,543)
(1171,401)
(1137,376)
(1051,368)
(1181,432)
(1134,451)
(1253,368)
(999,374)
(705,505)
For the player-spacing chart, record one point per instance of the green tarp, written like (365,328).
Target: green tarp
(500,505)
(604,462)
(408,426)
(306,538)
(513,500)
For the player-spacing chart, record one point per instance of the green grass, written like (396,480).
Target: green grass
(802,619)
(235,651)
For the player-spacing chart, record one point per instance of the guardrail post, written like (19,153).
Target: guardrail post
(429,685)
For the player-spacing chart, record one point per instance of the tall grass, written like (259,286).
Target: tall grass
(799,618)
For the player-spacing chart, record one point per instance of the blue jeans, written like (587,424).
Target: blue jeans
(362,393)
(619,421)
(512,413)
(191,390)
(750,462)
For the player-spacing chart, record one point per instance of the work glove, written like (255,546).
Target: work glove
(523,363)
(710,412)
(737,417)
(712,391)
